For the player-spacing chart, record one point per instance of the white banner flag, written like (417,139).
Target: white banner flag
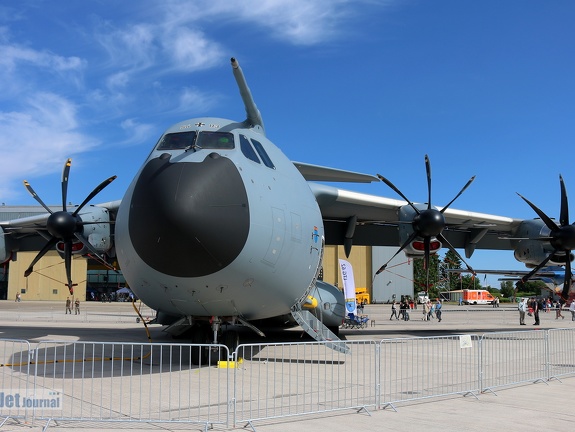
(348,286)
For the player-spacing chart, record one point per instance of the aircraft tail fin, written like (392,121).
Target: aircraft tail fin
(254,116)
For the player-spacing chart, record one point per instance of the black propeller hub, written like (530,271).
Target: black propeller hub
(564,238)
(429,223)
(62,225)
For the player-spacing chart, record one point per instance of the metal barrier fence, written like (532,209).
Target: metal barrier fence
(418,368)
(15,379)
(561,352)
(129,382)
(280,380)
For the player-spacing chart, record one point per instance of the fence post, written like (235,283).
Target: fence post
(377,375)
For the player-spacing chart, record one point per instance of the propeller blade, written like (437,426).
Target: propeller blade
(403,246)
(35,196)
(65,175)
(392,186)
(95,192)
(564,215)
(567,280)
(92,250)
(459,194)
(442,239)
(68,263)
(428,170)
(49,245)
(546,219)
(536,269)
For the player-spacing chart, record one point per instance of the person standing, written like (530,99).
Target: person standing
(535,306)
(572,310)
(438,310)
(425,311)
(522,311)
(402,306)
(18,298)
(558,307)
(394,311)
(68,305)
(76,307)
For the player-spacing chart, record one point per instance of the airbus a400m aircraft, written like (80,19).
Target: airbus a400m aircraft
(219,226)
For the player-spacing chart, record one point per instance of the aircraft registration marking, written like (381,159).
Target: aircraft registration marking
(199,124)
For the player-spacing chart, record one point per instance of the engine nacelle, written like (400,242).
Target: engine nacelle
(98,232)
(532,252)
(416,248)
(5,246)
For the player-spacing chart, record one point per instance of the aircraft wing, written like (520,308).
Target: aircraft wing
(540,274)
(28,224)
(377,221)
(320,173)
(550,275)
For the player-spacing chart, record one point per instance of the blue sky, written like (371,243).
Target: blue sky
(484,88)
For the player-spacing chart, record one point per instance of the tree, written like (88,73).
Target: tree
(452,261)
(507,289)
(469,282)
(531,287)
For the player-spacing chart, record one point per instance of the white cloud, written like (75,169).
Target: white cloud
(14,54)
(300,22)
(136,132)
(191,50)
(36,139)
(132,46)
(192,99)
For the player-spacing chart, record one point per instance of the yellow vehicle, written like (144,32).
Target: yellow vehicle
(361,296)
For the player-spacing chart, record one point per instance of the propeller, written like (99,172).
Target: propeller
(427,223)
(561,238)
(66,226)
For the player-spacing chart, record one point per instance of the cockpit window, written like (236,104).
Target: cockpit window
(216,140)
(180,140)
(191,139)
(261,151)
(248,150)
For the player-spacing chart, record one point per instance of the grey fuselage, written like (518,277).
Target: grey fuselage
(219,222)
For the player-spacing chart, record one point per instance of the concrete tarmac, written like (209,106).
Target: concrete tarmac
(530,407)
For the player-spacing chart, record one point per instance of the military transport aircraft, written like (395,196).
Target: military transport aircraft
(553,276)
(219,227)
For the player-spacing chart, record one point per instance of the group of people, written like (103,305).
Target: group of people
(429,310)
(69,306)
(532,307)
(403,312)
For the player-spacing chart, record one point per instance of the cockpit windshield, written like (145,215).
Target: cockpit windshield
(197,141)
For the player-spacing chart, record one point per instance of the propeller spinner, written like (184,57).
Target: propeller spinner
(427,223)
(65,226)
(561,238)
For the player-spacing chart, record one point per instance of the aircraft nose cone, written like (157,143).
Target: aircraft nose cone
(189,219)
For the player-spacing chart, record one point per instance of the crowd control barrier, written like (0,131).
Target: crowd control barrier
(59,381)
